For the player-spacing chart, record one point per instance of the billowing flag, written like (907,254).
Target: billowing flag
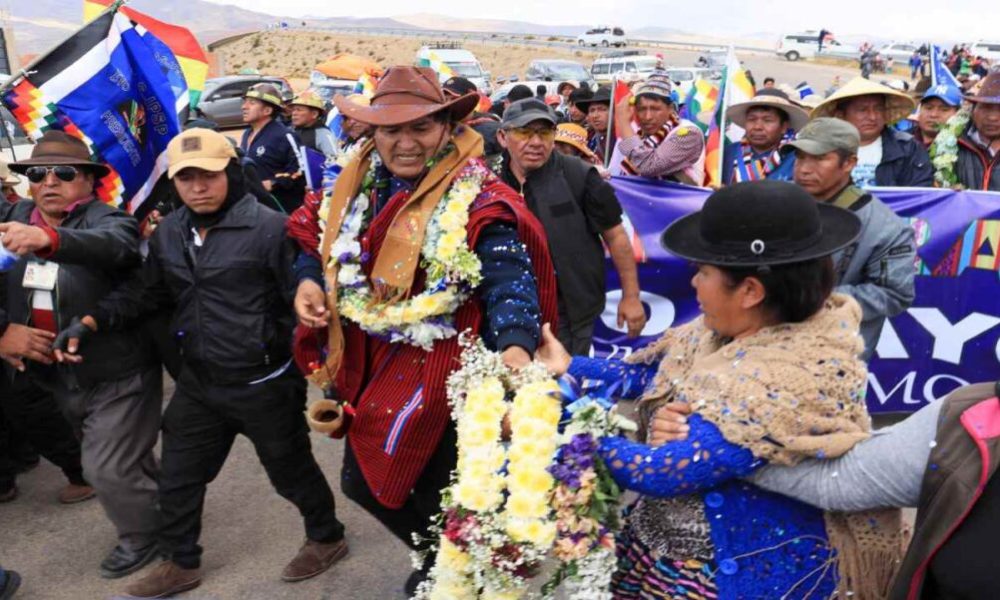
(434,61)
(183,44)
(736,88)
(699,106)
(804,89)
(118,88)
(940,74)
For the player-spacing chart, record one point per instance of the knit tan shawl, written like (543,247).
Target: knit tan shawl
(786,393)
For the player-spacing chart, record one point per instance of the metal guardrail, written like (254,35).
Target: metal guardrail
(521,39)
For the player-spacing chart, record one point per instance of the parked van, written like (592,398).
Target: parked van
(988,50)
(794,46)
(604,36)
(625,66)
(461,62)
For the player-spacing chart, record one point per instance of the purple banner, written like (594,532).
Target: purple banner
(948,338)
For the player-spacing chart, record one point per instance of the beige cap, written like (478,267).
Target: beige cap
(199,148)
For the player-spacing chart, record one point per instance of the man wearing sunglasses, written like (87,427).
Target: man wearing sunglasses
(578,210)
(72,251)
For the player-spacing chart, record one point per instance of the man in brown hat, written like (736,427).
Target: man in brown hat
(401,446)
(74,250)
(886,157)
(978,166)
(770,121)
(271,146)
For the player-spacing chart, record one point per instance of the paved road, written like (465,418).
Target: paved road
(250,533)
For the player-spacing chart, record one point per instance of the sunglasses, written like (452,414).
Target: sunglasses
(523,134)
(62,172)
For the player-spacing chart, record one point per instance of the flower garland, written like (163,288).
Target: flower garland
(507,510)
(944,150)
(452,269)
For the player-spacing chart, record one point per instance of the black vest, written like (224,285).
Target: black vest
(555,194)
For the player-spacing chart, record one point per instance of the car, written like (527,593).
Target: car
(604,36)
(684,78)
(630,65)
(329,88)
(987,49)
(558,71)
(222,99)
(459,62)
(796,46)
(899,51)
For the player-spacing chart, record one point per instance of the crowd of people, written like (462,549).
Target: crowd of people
(438,217)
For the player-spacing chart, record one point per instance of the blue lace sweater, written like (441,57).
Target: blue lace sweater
(765,545)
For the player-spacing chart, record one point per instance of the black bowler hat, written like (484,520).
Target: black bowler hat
(761,223)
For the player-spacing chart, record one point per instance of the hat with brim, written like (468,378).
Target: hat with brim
(601,96)
(898,104)
(58,148)
(266,93)
(406,94)
(989,90)
(310,99)
(575,136)
(797,117)
(761,223)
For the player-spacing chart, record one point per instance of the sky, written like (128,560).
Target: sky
(903,20)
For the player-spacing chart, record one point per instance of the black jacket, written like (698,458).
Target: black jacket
(905,162)
(231,298)
(976,169)
(98,247)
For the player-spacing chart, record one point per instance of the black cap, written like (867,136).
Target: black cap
(527,111)
(459,86)
(520,92)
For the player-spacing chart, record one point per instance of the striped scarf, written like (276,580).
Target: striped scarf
(752,167)
(652,141)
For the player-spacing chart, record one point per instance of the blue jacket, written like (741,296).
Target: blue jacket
(765,545)
(905,162)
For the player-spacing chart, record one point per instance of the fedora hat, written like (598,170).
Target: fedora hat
(405,94)
(898,105)
(797,117)
(575,136)
(59,148)
(601,96)
(989,90)
(761,223)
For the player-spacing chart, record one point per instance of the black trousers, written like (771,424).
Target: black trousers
(424,503)
(199,428)
(33,415)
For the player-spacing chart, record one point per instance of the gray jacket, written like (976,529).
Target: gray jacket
(878,269)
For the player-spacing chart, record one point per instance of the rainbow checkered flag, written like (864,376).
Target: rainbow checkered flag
(118,88)
(736,88)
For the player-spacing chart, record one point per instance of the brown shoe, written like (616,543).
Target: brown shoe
(165,580)
(72,493)
(313,558)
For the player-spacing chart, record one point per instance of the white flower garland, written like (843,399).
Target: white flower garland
(944,150)
(452,268)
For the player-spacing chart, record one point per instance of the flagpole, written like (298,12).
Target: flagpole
(25,71)
(723,138)
(611,122)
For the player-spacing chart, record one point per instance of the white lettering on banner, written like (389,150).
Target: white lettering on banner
(111,120)
(661,313)
(906,385)
(119,79)
(889,344)
(950,339)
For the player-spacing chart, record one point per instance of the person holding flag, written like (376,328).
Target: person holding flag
(272,146)
(770,121)
(654,141)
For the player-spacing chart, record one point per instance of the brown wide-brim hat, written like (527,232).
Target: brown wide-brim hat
(989,90)
(797,116)
(898,104)
(59,148)
(575,136)
(405,94)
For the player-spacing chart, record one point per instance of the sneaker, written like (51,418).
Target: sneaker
(73,493)
(121,562)
(314,558)
(11,582)
(9,494)
(165,580)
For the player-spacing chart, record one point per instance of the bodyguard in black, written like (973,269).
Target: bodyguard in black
(224,263)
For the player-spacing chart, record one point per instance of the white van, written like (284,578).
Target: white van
(461,62)
(794,46)
(624,66)
(603,36)
(986,49)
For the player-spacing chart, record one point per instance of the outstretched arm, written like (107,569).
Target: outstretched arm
(702,461)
